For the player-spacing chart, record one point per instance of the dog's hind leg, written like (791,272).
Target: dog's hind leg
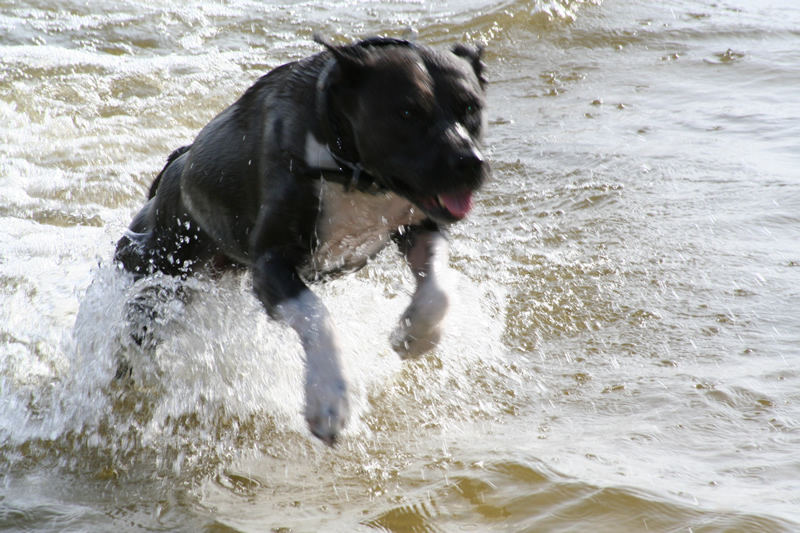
(152,303)
(419,329)
(162,239)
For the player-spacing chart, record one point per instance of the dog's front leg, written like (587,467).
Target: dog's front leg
(288,299)
(419,330)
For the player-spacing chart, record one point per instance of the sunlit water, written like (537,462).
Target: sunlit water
(623,355)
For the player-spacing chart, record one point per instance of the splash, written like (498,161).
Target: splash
(218,375)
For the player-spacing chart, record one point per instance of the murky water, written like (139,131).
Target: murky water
(625,352)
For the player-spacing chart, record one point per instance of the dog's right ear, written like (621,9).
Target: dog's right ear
(351,60)
(473,54)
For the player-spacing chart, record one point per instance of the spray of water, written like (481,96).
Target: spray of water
(217,376)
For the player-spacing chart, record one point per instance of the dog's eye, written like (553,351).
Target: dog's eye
(469,110)
(411,113)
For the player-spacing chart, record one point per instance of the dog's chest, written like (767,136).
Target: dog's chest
(353,226)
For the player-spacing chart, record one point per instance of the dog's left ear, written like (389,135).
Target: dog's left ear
(473,54)
(351,60)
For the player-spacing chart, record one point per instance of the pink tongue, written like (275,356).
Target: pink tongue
(458,204)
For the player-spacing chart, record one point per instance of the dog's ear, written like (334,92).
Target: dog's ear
(351,60)
(474,55)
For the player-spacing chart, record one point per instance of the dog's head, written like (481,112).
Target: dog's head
(413,117)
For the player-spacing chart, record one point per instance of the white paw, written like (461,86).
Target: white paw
(420,329)
(410,342)
(327,408)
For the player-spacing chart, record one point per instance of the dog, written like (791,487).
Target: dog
(311,172)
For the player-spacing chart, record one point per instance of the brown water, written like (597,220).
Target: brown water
(625,354)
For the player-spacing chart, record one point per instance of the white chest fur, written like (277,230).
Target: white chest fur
(353,226)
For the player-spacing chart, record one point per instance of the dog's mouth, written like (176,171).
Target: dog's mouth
(449,207)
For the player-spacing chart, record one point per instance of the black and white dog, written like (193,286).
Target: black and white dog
(310,173)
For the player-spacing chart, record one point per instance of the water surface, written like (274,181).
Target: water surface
(623,355)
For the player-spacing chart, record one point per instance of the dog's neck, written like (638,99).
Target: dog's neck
(336,153)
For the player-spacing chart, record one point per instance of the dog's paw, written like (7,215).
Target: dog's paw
(410,343)
(327,409)
(420,329)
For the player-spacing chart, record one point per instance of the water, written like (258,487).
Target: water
(624,353)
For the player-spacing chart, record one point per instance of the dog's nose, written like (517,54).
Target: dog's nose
(468,162)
